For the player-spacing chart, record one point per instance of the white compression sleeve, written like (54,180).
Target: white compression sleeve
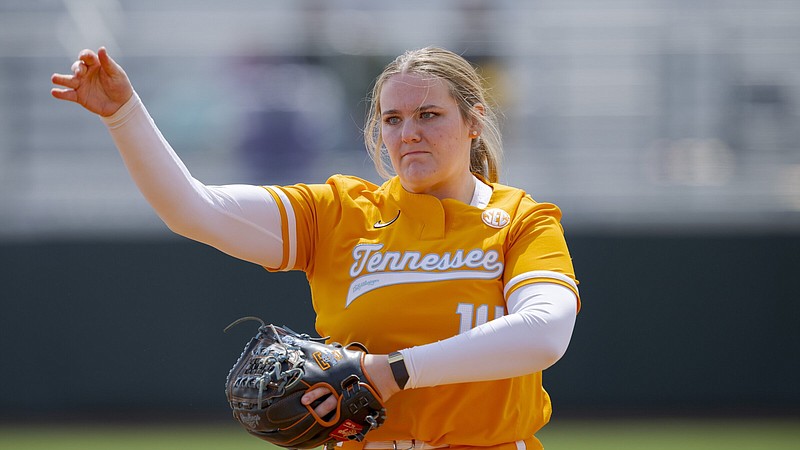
(240,220)
(532,337)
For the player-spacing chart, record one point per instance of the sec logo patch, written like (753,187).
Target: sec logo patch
(496,218)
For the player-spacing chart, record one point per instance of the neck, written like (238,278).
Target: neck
(463,190)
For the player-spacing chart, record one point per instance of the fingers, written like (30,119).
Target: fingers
(327,405)
(107,63)
(89,58)
(72,82)
(64,94)
(79,68)
(69,81)
(314,394)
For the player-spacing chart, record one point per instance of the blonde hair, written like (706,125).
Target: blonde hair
(468,90)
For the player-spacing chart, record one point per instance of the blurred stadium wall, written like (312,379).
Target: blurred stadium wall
(666,130)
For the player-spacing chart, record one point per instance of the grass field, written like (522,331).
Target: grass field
(637,434)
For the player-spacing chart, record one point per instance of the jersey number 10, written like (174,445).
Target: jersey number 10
(472,317)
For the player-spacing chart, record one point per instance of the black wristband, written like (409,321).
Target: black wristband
(398,366)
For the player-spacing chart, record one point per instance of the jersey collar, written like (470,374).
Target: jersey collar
(482,194)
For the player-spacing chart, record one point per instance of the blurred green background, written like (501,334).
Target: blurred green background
(666,130)
(701,434)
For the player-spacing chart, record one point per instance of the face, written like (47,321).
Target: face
(427,139)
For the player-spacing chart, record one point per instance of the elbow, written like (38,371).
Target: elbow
(552,352)
(545,314)
(180,226)
(177,228)
(551,341)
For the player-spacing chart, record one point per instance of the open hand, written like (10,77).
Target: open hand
(97,83)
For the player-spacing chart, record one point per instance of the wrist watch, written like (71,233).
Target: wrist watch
(399,371)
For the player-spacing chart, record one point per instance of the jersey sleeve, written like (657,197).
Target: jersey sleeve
(305,209)
(310,214)
(537,250)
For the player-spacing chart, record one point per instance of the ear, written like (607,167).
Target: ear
(475,125)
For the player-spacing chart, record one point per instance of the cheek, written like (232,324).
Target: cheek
(391,139)
(449,139)
(450,133)
(387,136)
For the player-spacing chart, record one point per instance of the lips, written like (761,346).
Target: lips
(416,152)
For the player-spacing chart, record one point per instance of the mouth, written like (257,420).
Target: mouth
(413,153)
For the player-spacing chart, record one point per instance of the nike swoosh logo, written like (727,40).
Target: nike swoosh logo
(380,224)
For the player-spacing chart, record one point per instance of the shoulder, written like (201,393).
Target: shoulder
(351,186)
(350,181)
(336,187)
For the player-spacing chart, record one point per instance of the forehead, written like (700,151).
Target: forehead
(409,91)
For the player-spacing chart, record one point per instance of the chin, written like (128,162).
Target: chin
(415,183)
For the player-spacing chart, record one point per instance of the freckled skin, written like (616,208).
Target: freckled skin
(427,139)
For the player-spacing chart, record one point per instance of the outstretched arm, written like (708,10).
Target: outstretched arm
(240,220)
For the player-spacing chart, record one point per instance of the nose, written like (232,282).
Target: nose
(410,132)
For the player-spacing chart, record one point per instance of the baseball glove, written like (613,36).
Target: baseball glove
(278,366)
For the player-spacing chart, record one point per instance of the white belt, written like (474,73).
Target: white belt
(401,445)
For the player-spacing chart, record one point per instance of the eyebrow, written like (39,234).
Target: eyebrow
(421,108)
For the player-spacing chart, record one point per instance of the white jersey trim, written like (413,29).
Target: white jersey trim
(291,228)
(367,283)
(539,274)
(481,195)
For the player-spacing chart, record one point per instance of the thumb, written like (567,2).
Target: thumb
(109,66)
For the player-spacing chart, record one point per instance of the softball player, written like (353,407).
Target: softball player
(462,288)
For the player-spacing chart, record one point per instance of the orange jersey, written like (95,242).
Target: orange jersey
(392,270)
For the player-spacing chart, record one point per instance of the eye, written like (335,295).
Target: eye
(391,120)
(427,115)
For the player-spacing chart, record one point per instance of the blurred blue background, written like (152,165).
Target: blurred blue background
(666,130)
